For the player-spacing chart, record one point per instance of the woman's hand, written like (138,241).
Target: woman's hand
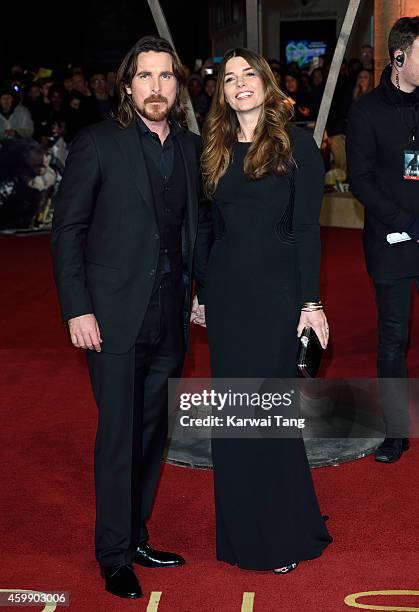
(317,320)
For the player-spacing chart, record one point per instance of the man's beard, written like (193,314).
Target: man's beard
(152,112)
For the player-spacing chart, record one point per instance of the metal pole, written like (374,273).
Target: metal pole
(252,25)
(164,32)
(338,56)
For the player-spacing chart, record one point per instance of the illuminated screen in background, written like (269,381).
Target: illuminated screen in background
(304,51)
(305,40)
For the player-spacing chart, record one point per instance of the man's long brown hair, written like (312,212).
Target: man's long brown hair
(270,150)
(125,108)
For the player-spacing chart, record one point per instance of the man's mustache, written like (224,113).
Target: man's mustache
(155,99)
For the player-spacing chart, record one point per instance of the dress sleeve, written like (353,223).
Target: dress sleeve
(309,184)
(204,238)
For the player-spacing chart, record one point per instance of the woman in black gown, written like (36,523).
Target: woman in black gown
(266,180)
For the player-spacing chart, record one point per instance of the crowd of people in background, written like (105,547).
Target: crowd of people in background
(42,111)
(45,107)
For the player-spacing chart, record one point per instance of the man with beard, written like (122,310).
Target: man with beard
(125,232)
(383,132)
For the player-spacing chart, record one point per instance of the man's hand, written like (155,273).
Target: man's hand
(317,320)
(198,313)
(85,333)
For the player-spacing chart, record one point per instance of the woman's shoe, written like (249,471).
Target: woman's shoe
(286,569)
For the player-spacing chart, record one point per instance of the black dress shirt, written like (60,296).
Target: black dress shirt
(167,177)
(161,155)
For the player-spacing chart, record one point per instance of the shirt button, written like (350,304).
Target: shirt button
(152,272)
(156,236)
(165,251)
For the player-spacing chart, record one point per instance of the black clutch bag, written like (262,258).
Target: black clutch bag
(310,353)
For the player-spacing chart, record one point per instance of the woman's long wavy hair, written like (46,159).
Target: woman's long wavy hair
(270,150)
(125,107)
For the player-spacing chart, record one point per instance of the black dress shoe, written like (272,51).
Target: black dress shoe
(286,569)
(120,580)
(148,557)
(391,449)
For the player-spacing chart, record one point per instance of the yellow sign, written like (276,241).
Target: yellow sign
(153,603)
(351,600)
(248,601)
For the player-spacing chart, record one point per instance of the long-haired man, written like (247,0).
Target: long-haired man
(124,235)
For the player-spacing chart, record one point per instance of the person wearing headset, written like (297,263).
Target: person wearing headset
(383,135)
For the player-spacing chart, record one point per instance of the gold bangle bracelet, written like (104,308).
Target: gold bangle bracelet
(319,303)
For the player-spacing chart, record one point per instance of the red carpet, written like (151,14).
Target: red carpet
(47,434)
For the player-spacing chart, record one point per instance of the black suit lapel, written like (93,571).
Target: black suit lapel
(132,152)
(187,150)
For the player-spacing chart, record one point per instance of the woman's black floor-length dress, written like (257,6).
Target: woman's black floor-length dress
(261,267)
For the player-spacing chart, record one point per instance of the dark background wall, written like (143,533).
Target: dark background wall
(95,32)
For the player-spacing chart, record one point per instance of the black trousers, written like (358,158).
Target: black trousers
(131,395)
(393,300)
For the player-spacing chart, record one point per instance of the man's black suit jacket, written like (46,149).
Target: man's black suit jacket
(379,130)
(105,238)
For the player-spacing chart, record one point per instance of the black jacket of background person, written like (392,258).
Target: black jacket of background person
(378,134)
(105,238)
